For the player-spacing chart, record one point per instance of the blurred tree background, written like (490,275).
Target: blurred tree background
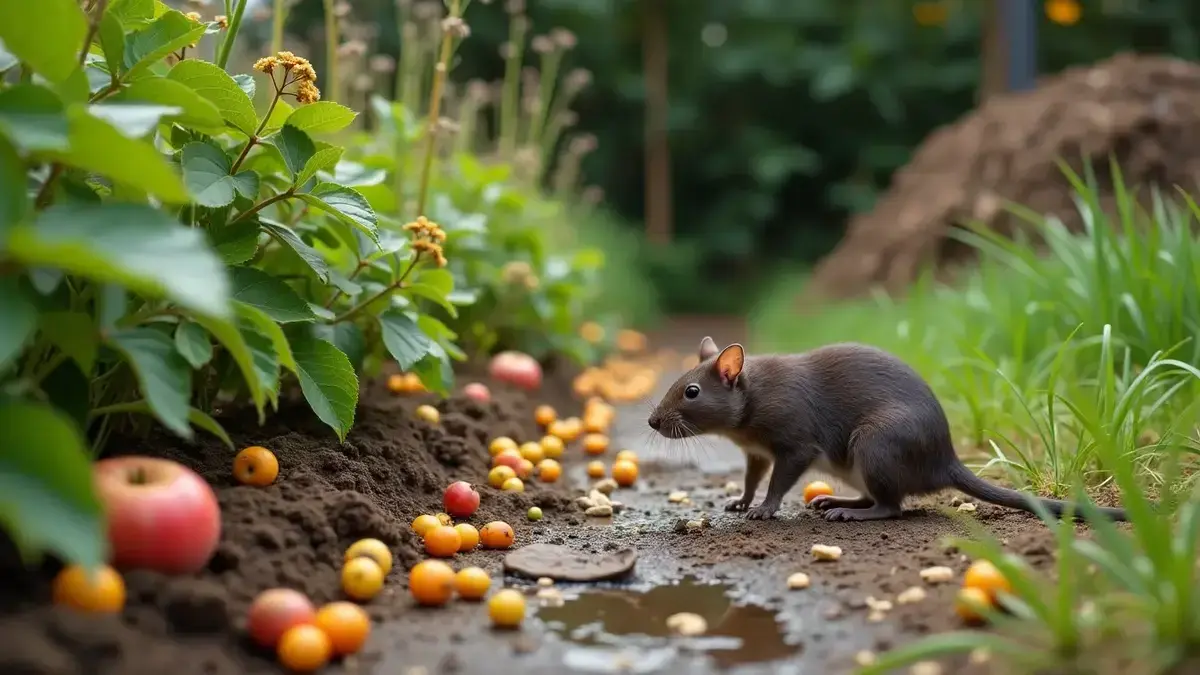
(785,116)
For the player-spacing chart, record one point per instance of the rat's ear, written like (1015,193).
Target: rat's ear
(708,348)
(730,363)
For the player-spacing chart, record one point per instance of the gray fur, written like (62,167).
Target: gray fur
(851,409)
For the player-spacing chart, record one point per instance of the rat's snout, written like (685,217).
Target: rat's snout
(655,421)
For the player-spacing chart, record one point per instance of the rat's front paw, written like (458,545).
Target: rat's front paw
(739,504)
(763,511)
(822,502)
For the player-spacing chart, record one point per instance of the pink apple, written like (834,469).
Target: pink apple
(477,391)
(510,458)
(274,611)
(161,515)
(517,368)
(460,499)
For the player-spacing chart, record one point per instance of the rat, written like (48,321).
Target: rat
(850,410)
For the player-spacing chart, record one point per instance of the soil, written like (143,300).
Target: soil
(393,468)
(1142,111)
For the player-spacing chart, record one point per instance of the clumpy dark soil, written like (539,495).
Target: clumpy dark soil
(1143,111)
(293,533)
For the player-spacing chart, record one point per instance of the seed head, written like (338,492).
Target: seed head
(455,27)
(542,44)
(193,16)
(351,49)
(564,38)
(222,21)
(514,6)
(266,64)
(341,10)
(307,92)
(507,50)
(577,80)
(382,63)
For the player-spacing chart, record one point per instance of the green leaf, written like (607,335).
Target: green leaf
(436,284)
(132,13)
(206,174)
(75,334)
(322,117)
(14,198)
(34,118)
(235,243)
(112,41)
(308,254)
(166,34)
(269,328)
(201,419)
(164,377)
(347,204)
(47,493)
(324,160)
(134,245)
(327,380)
(215,85)
(269,294)
(435,370)
(19,323)
(197,112)
(346,336)
(246,84)
(404,340)
(235,343)
(279,116)
(46,34)
(97,146)
(266,362)
(135,120)
(295,147)
(192,343)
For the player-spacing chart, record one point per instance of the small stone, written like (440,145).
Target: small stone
(677,496)
(926,668)
(823,552)
(911,595)
(686,501)
(980,656)
(879,605)
(584,503)
(694,526)
(599,498)
(686,623)
(798,581)
(617,507)
(956,500)
(545,581)
(876,616)
(966,507)
(550,597)
(606,486)
(599,512)
(732,488)
(864,658)
(937,574)
(680,526)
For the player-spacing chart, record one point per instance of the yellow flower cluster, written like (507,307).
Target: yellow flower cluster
(298,68)
(194,16)
(427,238)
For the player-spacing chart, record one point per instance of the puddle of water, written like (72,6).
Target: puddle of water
(627,630)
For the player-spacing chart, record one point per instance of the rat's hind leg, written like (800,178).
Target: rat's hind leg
(878,455)
(826,502)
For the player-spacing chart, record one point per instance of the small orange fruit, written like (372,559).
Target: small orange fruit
(533,452)
(552,446)
(362,578)
(413,383)
(472,583)
(499,474)
(428,413)
(346,624)
(595,469)
(591,331)
(500,444)
(630,340)
(626,456)
(524,469)
(544,415)
(624,472)
(595,444)
(970,604)
(496,534)
(983,575)
(507,608)
(442,541)
(101,591)
(469,536)
(549,470)
(395,383)
(256,466)
(513,484)
(424,523)
(815,489)
(304,648)
(375,550)
(431,582)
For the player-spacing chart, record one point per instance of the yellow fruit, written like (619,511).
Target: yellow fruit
(423,523)
(553,446)
(595,444)
(500,444)
(595,469)
(468,535)
(472,583)
(499,474)
(375,550)
(544,415)
(507,608)
(532,452)
(513,484)
(624,472)
(362,578)
(549,470)
(101,590)
(983,575)
(626,456)
(428,413)
(304,648)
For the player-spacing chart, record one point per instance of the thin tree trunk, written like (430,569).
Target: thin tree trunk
(994,79)
(658,151)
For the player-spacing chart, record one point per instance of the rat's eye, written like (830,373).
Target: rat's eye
(691,391)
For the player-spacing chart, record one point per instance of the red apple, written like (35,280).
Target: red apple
(517,368)
(274,611)
(510,458)
(477,391)
(460,499)
(161,515)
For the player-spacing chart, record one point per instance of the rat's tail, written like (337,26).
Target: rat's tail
(966,481)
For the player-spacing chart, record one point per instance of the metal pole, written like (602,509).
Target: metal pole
(1020,24)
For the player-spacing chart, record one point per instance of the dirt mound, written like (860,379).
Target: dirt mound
(293,533)
(1144,111)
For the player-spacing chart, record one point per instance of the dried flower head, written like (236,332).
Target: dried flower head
(341,10)
(508,51)
(307,92)
(542,44)
(382,63)
(427,237)
(564,38)
(222,21)
(577,80)
(478,91)
(193,16)
(352,49)
(582,144)
(266,64)
(515,6)
(456,27)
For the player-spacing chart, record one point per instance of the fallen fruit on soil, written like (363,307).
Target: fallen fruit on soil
(544,415)
(431,582)
(548,470)
(499,474)
(516,368)
(478,392)
(591,331)
(395,384)
(970,604)
(500,444)
(552,446)
(532,452)
(468,535)
(162,516)
(444,518)
(815,489)
(595,444)
(442,541)
(507,608)
(102,591)
(823,552)
(983,575)
(255,466)
(595,469)
(496,534)
(370,548)
(346,624)
(509,458)
(798,580)
(362,579)
(524,469)
(472,583)
(626,456)
(686,624)
(629,340)
(424,523)
(460,499)
(677,497)
(304,648)
(274,611)
(513,484)
(624,472)
(428,413)
(534,513)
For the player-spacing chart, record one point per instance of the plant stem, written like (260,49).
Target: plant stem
(235,24)
(278,18)
(546,92)
(118,408)
(93,28)
(387,290)
(435,109)
(50,366)
(263,204)
(46,193)
(250,142)
(510,92)
(331,47)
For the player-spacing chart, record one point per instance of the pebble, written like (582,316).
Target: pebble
(584,503)
(980,655)
(926,668)
(599,511)
(599,498)
(879,605)
(545,581)
(798,581)
(823,552)
(550,597)
(732,488)
(911,595)
(937,574)
(677,496)
(686,623)
(876,616)
(864,658)
(606,486)
(966,507)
